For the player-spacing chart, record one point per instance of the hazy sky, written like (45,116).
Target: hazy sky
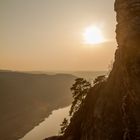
(48,34)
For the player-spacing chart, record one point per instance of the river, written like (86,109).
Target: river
(49,127)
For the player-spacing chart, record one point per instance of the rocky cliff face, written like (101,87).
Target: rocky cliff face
(112,108)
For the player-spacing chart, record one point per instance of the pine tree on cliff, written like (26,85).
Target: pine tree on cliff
(79,91)
(100,79)
(64,126)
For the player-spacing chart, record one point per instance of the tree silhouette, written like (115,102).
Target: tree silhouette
(79,91)
(64,126)
(100,79)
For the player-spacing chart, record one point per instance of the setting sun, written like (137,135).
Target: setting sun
(93,35)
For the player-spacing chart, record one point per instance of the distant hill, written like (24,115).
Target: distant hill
(89,75)
(26,99)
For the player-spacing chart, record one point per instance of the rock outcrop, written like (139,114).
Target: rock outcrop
(112,108)
(54,138)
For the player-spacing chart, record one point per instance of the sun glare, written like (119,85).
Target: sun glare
(93,35)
